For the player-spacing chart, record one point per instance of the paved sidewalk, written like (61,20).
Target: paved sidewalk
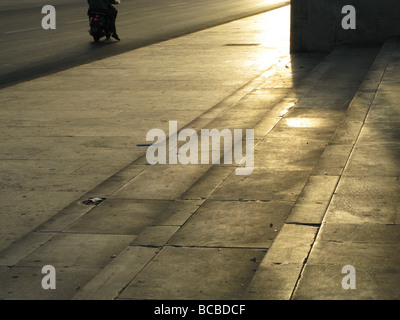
(360,227)
(324,192)
(69,136)
(64,134)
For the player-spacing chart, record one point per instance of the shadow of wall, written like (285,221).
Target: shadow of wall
(317,25)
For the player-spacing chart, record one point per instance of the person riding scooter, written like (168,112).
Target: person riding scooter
(107,7)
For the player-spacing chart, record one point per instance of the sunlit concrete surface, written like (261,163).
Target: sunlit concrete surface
(353,195)
(140,23)
(361,227)
(200,231)
(64,134)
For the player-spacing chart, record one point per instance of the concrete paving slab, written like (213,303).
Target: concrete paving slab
(363,208)
(273,282)
(333,160)
(360,232)
(369,185)
(278,272)
(305,123)
(281,108)
(39,167)
(235,114)
(167,182)
(263,127)
(238,123)
(77,209)
(376,266)
(4,269)
(308,212)
(264,97)
(371,84)
(97,168)
(24,148)
(384,113)
(347,132)
(320,116)
(83,148)
(77,250)
(374,160)
(292,245)
(294,154)
(208,183)
(25,283)
(195,273)
(311,205)
(327,92)
(65,217)
(263,184)
(247,224)
(120,216)
(380,132)
(324,282)
(109,186)
(289,78)
(391,75)
(155,236)
(47,182)
(19,250)
(292,130)
(178,213)
(322,103)
(360,105)
(375,73)
(110,282)
(28,209)
(319,188)
(385,96)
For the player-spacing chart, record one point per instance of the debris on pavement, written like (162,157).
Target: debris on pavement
(93,201)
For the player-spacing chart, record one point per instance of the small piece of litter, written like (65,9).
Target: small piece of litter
(94,201)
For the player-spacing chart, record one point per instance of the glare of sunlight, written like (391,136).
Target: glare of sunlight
(301,122)
(273,37)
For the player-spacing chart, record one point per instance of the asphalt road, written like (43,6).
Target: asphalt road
(28,51)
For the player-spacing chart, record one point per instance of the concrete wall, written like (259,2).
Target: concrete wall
(317,24)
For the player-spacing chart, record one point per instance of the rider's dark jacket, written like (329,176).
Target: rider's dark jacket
(100,5)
